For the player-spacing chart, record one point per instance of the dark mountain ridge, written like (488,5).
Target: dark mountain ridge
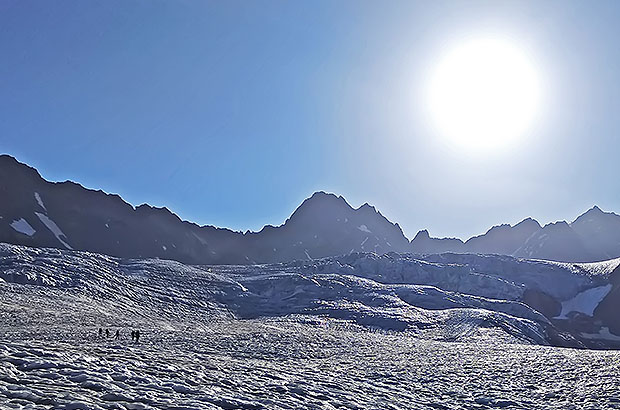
(65,215)
(36,212)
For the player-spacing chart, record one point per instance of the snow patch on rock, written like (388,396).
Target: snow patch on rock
(603,334)
(22,226)
(585,302)
(39,200)
(364,228)
(51,225)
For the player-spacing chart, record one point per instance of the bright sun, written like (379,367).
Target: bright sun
(484,95)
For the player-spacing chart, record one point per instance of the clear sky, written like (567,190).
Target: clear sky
(231,113)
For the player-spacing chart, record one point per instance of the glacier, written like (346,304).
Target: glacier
(355,331)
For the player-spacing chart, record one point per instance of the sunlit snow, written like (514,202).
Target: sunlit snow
(356,331)
(51,225)
(364,228)
(38,198)
(22,226)
(585,302)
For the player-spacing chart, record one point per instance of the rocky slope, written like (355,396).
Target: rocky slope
(593,236)
(65,215)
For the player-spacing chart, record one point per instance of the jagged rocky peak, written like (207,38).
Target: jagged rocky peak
(528,222)
(421,235)
(322,202)
(593,214)
(367,208)
(11,167)
(39,213)
(148,210)
(325,197)
(595,209)
(499,227)
(424,243)
(6,160)
(557,226)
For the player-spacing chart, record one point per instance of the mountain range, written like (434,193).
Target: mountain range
(65,215)
(593,236)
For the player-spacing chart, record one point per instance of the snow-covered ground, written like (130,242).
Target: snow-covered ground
(291,365)
(314,334)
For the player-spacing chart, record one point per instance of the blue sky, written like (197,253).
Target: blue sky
(231,113)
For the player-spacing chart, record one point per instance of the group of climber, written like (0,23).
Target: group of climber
(135,334)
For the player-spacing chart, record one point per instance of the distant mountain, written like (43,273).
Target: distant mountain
(66,215)
(503,239)
(423,243)
(500,239)
(555,241)
(600,232)
(326,225)
(593,236)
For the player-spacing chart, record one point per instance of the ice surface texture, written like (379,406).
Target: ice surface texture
(357,331)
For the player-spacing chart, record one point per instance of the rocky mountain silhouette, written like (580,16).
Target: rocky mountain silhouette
(593,236)
(65,215)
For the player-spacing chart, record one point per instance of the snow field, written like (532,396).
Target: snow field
(360,331)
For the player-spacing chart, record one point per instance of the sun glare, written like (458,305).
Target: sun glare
(484,95)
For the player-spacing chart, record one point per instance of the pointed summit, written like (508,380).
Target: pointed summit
(326,225)
(595,210)
(600,231)
(531,222)
(423,243)
(320,203)
(503,239)
(593,213)
(423,234)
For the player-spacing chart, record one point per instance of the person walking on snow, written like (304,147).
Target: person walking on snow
(107,333)
(137,335)
(118,334)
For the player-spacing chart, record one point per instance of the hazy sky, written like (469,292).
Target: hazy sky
(231,113)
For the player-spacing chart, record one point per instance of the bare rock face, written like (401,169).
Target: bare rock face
(594,236)
(542,302)
(423,243)
(326,225)
(66,215)
(558,242)
(600,232)
(607,312)
(503,239)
